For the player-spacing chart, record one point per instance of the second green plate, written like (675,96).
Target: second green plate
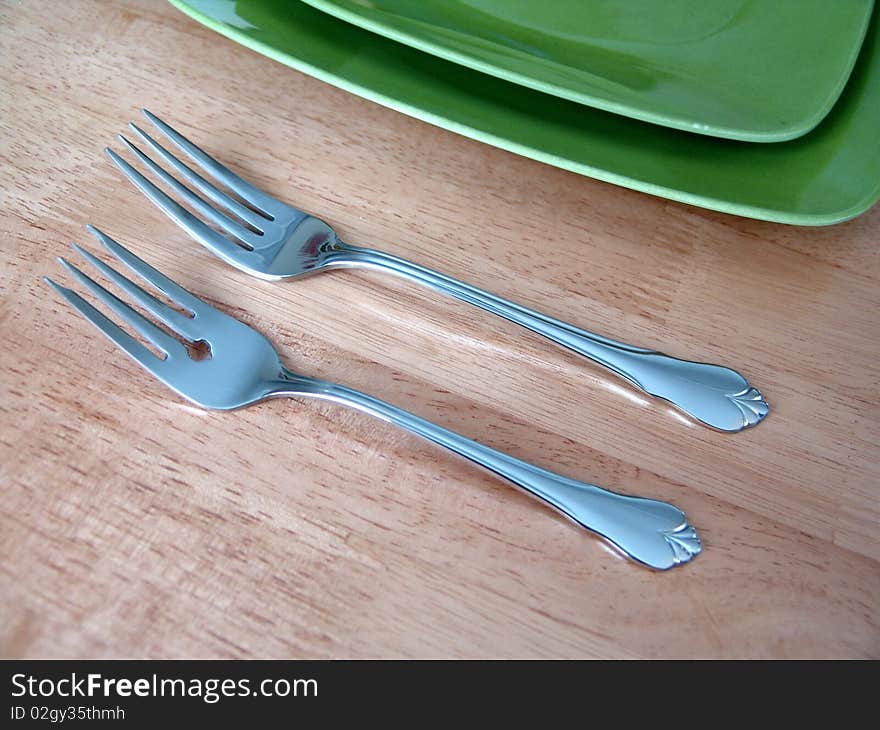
(826,176)
(756,70)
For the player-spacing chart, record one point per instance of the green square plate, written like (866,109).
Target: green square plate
(756,70)
(827,176)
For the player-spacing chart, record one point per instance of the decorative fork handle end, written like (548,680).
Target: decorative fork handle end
(712,394)
(751,404)
(684,542)
(651,532)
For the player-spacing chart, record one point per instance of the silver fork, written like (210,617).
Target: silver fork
(243,368)
(269,239)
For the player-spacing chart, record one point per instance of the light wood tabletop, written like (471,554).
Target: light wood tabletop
(134,525)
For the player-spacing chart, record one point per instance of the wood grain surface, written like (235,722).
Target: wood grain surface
(134,525)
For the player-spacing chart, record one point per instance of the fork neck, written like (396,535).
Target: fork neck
(290,384)
(340,255)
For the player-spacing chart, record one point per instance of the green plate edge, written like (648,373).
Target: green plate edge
(868,66)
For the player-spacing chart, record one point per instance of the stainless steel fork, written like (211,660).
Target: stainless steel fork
(272,240)
(243,368)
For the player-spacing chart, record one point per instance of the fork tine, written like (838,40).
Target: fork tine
(246,214)
(154,334)
(247,192)
(114,333)
(208,237)
(208,211)
(174,292)
(162,312)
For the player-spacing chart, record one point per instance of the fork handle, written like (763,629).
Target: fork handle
(654,533)
(715,395)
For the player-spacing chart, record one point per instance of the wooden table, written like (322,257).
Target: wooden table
(132,524)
